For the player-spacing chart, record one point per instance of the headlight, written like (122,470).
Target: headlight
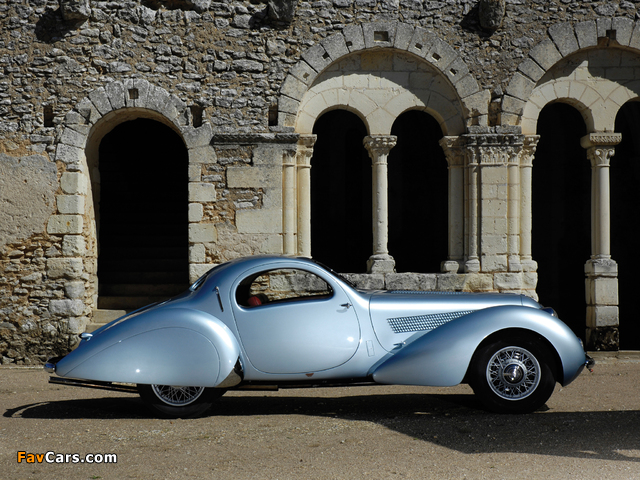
(550,311)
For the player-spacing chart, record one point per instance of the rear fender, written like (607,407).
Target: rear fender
(172,346)
(442,356)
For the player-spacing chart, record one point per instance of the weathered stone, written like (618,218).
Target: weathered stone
(282,10)
(73,246)
(65,268)
(75,10)
(66,308)
(27,196)
(491,14)
(202,192)
(65,224)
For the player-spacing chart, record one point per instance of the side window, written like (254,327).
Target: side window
(282,285)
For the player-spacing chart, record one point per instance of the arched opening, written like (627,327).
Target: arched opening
(625,219)
(561,206)
(341,217)
(418,180)
(143,223)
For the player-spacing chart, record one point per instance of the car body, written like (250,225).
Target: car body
(278,321)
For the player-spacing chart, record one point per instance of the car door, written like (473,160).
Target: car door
(292,320)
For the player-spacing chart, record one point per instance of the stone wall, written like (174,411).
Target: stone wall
(69,69)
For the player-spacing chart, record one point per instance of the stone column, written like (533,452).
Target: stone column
(305,152)
(379,147)
(472,263)
(526,164)
(492,158)
(454,152)
(600,269)
(289,202)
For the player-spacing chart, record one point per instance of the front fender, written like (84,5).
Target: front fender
(169,346)
(442,356)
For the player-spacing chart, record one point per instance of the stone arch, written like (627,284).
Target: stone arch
(318,83)
(589,65)
(561,68)
(83,129)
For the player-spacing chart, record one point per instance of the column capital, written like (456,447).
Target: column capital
(453,150)
(600,139)
(600,147)
(529,147)
(305,150)
(307,140)
(379,145)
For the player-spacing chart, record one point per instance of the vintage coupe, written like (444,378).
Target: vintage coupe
(276,322)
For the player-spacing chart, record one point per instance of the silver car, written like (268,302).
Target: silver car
(270,322)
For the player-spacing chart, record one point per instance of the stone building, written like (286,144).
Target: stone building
(428,145)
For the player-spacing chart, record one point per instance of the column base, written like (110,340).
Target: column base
(472,266)
(381,264)
(450,266)
(605,339)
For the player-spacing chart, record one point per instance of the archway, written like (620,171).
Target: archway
(341,234)
(143,223)
(418,180)
(562,213)
(625,219)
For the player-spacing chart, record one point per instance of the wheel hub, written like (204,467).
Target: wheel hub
(513,373)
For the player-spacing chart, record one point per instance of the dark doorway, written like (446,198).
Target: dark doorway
(143,223)
(561,237)
(625,219)
(341,218)
(418,194)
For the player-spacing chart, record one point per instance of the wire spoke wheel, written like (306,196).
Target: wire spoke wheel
(172,401)
(177,396)
(513,373)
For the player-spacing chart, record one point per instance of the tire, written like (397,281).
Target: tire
(512,375)
(179,402)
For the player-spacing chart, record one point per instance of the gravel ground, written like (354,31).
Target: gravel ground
(588,430)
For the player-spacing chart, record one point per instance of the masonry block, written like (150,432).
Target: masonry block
(196,212)
(65,267)
(73,246)
(64,224)
(74,183)
(202,233)
(70,204)
(202,192)
(259,221)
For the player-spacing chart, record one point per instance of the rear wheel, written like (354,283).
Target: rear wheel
(513,375)
(177,401)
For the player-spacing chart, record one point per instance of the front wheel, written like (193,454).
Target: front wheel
(179,402)
(512,375)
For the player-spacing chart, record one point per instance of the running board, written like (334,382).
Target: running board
(75,382)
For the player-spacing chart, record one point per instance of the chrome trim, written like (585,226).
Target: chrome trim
(76,382)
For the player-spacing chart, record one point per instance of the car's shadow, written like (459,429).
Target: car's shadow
(450,420)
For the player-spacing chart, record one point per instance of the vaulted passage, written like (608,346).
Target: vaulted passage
(625,220)
(142,215)
(341,224)
(562,213)
(418,180)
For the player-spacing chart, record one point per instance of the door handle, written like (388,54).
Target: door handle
(346,305)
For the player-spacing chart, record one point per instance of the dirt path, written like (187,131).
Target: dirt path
(591,430)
